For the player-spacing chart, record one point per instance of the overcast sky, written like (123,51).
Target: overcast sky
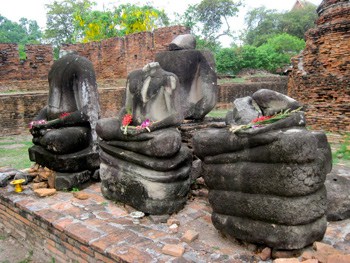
(35,9)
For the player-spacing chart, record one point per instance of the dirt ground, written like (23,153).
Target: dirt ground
(11,251)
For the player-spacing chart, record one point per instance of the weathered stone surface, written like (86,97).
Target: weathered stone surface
(299,210)
(39,185)
(6,176)
(64,131)
(282,179)
(266,185)
(66,181)
(338,192)
(243,112)
(272,102)
(160,143)
(74,162)
(272,235)
(186,41)
(195,70)
(144,163)
(147,190)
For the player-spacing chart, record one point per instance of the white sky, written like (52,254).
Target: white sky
(35,9)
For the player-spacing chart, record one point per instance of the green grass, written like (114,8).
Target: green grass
(217,114)
(14,152)
(341,152)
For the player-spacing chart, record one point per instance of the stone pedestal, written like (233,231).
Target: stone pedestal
(267,187)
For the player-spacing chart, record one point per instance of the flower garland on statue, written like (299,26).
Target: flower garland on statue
(127,120)
(40,122)
(263,120)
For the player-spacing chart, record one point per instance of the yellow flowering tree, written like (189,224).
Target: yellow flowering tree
(123,20)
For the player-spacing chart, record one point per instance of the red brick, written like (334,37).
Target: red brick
(173,250)
(129,254)
(81,233)
(336,258)
(189,236)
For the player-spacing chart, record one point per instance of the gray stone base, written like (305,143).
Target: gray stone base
(66,181)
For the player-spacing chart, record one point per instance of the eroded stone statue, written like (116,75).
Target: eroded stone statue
(143,161)
(266,175)
(195,70)
(64,134)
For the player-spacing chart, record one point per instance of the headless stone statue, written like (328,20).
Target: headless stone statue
(266,181)
(146,166)
(197,77)
(67,124)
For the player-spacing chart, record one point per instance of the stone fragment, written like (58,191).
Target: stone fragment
(174,228)
(243,112)
(272,102)
(51,180)
(173,250)
(159,218)
(186,41)
(81,195)
(39,185)
(189,236)
(172,221)
(66,181)
(265,254)
(43,192)
(338,192)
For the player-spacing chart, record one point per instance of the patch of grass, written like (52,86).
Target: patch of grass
(217,114)
(231,80)
(75,189)
(14,151)
(341,153)
(2,237)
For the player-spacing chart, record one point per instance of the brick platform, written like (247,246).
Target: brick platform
(67,229)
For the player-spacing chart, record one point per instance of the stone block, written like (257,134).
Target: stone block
(173,250)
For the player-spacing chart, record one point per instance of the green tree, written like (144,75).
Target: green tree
(263,23)
(134,18)
(208,20)
(60,23)
(274,54)
(22,33)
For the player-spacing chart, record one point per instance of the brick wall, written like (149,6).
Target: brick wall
(112,58)
(36,66)
(47,241)
(17,110)
(321,74)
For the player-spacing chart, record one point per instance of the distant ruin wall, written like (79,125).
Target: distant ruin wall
(112,58)
(17,110)
(321,74)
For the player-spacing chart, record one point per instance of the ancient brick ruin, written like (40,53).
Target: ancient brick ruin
(321,73)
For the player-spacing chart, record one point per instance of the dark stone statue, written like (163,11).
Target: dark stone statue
(266,176)
(143,161)
(195,70)
(64,134)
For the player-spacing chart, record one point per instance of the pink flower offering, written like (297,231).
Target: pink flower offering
(127,119)
(262,118)
(145,123)
(64,114)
